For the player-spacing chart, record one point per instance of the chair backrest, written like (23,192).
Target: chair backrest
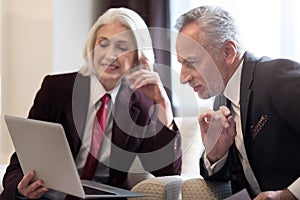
(165,187)
(197,189)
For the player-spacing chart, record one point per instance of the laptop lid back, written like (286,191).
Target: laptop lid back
(43,147)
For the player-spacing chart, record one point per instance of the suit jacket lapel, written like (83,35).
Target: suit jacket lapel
(76,109)
(246,85)
(125,111)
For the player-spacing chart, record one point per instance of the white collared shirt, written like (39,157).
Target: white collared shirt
(96,92)
(232,92)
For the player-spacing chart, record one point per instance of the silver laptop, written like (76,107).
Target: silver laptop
(43,147)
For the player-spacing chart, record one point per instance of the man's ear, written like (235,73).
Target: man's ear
(230,51)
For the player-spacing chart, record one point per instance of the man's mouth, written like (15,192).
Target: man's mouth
(197,88)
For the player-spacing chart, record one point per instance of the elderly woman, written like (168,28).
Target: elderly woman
(135,117)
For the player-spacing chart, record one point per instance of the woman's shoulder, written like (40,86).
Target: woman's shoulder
(60,82)
(62,77)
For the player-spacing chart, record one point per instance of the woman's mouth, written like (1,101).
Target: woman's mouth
(110,67)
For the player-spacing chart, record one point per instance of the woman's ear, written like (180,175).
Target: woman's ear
(230,51)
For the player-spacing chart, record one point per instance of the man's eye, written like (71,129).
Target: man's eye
(191,64)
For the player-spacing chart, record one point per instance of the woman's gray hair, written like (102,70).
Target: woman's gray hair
(133,22)
(216,24)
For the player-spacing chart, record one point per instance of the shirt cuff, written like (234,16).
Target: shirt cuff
(211,169)
(172,126)
(20,196)
(295,188)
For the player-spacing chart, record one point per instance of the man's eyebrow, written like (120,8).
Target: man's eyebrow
(189,59)
(182,60)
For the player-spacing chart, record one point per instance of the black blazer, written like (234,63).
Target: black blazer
(64,99)
(270,116)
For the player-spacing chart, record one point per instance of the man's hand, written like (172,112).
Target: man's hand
(31,190)
(217,132)
(276,195)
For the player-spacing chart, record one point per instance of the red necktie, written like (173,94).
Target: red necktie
(91,163)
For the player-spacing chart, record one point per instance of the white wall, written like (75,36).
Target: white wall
(39,38)
(26,57)
(72,21)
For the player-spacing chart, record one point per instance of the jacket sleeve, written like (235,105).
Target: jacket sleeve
(11,179)
(232,171)
(162,151)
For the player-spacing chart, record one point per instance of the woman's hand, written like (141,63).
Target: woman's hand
(31,190)
(149,82)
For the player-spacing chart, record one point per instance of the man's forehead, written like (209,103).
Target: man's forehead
(188,47)
(189,35)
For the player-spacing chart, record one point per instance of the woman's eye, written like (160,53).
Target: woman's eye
(123,47)
(103,43)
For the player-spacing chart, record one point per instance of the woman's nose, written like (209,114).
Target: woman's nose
(110,55)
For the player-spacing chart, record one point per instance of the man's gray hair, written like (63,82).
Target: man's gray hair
(216,25)
(133,22)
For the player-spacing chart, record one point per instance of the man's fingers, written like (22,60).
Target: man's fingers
(232,127)
(204,118)
(219,117)
(213,118)
(225,110)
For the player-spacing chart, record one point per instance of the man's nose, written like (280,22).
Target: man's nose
(184,75)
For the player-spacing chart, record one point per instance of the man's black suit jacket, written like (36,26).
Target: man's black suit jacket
(270,117)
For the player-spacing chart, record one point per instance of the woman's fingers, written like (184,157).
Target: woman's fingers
(145,62)
(29,189)
(141,78)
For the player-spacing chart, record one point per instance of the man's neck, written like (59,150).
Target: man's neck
(236,63)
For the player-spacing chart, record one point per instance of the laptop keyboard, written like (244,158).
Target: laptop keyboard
(93,191)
